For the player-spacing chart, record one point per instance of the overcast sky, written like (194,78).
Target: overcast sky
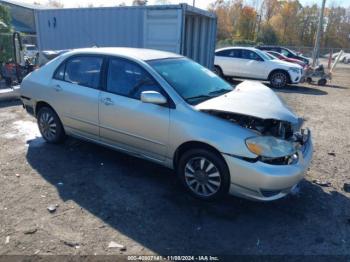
(199,3)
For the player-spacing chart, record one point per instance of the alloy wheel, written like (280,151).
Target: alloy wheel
(279,80)
(48,126)
(202,176)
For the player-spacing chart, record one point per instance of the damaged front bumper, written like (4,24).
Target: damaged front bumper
(266,182)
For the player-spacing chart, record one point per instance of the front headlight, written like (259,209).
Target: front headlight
(294,69)
(269,146)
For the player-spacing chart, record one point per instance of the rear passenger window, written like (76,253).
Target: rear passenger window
(59,75)
(129,79)
(235,53)
(84,70)
(222,53)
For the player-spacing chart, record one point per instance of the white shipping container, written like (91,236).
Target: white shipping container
(180,28)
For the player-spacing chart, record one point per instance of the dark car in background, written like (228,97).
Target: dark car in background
(287,59)
(284,51)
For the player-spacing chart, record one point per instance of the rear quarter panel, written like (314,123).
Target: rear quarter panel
(36,85)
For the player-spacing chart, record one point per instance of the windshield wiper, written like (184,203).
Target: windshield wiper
(210,95)
(219,91)
(198,97)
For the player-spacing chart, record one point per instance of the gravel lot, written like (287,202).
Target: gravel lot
(105,196)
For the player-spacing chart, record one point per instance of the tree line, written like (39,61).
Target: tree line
(283,22)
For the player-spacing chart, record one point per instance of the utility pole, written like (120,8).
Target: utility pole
(318,35)
(194,2)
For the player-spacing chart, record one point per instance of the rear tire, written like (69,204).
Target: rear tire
(217,70)
(50,125)
(322,82)
(279,79)
(309,80)
(204,174)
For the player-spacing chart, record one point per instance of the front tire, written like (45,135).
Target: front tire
(279,79)
(204,174)
(50,125)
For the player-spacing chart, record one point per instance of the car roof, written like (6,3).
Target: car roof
(135,53)
(269,46)
(237,47)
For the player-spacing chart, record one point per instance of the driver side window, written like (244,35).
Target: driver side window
(128,79)
(247,54)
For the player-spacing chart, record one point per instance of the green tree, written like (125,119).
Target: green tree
(247,22)
(5,19)
(308,21)
(337,28)
(5,34)
(267,35)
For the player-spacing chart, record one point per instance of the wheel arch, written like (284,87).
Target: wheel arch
(220,68)
(280,70)
(41,104)
(184,147)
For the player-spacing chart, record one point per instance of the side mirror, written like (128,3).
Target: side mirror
(153,97)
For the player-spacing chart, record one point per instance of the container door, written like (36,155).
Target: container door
(162,29)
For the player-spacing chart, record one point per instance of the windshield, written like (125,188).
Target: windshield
(264,55)
(30,48)
(291,52)
(271,56)
(192,82)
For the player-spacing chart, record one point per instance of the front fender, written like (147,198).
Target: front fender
(224,136)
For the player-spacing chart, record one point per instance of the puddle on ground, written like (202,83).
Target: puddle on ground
(27,130)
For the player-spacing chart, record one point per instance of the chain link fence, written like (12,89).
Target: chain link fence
(324,52)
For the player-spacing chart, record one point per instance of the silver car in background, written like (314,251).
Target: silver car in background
(168,109)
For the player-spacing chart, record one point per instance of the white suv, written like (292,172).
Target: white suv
(252,63)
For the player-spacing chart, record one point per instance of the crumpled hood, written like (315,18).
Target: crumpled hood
(251,98)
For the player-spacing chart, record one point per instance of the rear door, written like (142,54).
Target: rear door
(75,94)
(125,121)
(229,61)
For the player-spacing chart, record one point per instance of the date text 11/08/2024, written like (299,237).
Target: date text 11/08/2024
(173,258)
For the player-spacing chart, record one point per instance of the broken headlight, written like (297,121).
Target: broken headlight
(269,146)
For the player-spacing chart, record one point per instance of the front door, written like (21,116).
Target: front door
(127,122)
(252,65)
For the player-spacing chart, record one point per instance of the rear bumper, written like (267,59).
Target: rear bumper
(266,182)
(28,104)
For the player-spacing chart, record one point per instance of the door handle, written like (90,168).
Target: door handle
(58,88)
(107,101)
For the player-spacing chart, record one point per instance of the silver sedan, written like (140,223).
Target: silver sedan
(168,109)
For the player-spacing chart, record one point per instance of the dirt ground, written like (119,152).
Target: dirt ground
(105,196)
